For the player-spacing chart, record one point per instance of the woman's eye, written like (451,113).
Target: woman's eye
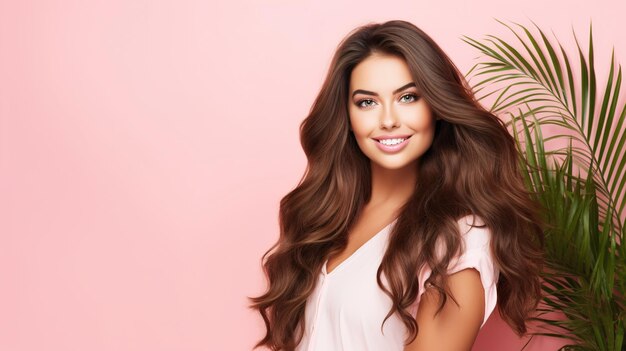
(360,103)
(413,96)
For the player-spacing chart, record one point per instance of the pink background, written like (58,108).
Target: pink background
(145,145)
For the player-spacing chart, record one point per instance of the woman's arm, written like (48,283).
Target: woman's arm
(455,327)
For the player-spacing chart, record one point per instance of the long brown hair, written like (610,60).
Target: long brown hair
(471,168)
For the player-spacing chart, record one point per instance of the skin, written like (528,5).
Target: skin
(393,177)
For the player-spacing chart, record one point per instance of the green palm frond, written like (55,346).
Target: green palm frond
(582,186)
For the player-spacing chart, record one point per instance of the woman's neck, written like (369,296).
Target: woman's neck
(392,187)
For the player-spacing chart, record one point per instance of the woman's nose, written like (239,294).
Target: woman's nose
(388,118)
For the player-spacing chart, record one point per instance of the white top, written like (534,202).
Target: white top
(347,307)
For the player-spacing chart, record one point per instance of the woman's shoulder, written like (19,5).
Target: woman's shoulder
(474,231)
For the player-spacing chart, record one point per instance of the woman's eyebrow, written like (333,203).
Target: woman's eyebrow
(367,92)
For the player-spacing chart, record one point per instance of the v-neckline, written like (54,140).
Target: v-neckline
(359,249)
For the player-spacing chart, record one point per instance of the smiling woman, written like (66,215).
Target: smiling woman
(412,220)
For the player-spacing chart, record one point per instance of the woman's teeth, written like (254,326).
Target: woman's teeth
(391,141)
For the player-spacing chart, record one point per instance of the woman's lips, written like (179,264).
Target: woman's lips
(392,148)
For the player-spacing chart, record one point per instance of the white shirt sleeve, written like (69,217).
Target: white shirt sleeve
(476,254)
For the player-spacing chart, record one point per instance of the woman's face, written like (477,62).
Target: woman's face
(393,125)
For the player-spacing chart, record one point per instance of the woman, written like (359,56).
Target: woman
(412,220)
